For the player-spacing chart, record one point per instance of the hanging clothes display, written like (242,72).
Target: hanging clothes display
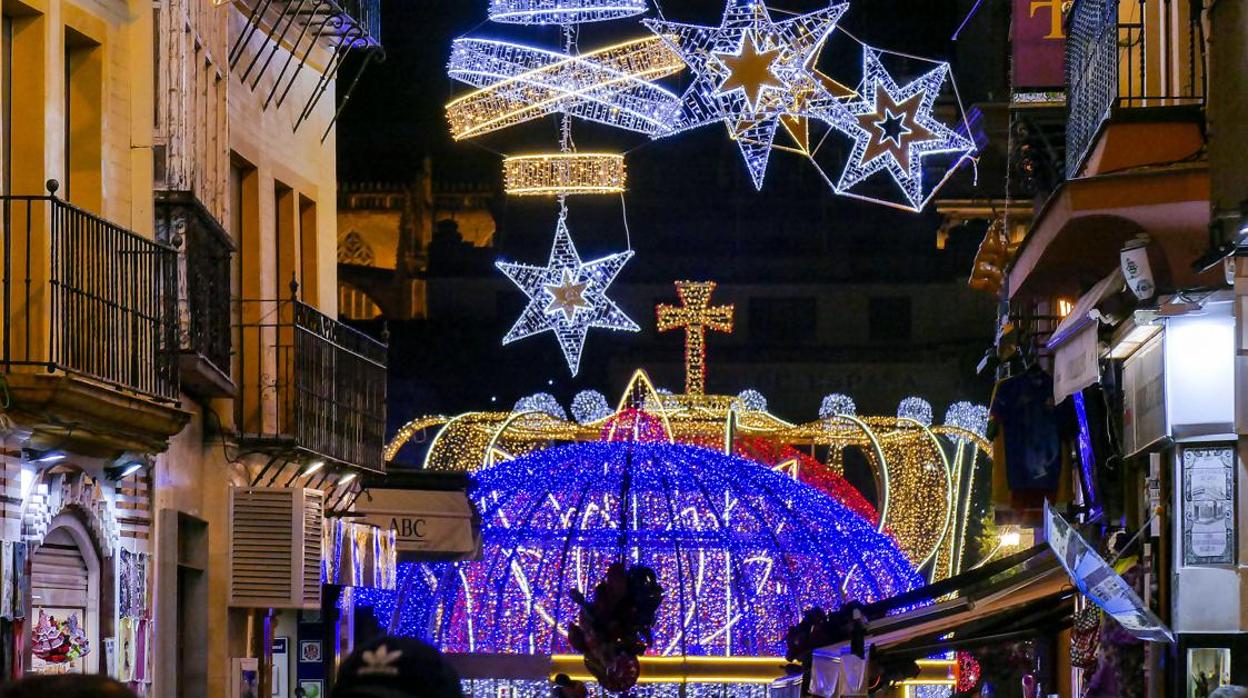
(1022,405)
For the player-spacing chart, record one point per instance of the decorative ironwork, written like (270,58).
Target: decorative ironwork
(1109,66)
(296,28)
(310,384)
(88,297)
(203,273)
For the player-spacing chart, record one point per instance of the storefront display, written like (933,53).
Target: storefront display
(1207,669)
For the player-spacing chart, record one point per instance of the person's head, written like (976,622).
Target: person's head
(1230,692)
(66,686)
(396,667)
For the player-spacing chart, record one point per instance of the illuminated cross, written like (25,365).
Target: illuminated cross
(695,316)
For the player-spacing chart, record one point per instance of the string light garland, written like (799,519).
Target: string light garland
(567,297)
(637,425)
(750,72)
(894,130)
(408,431)
(520,83)
(590,406)
(561,12)
(564,174)
(695,316)
(740,550)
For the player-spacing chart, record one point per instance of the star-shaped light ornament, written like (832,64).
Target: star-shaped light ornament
(568,296)
(894,130)
(751,72)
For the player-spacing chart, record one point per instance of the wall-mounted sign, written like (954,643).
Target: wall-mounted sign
(1208,505)
(1144,398)
(1038,39)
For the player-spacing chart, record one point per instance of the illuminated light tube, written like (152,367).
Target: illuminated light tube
(563,11)
(519,83)
(685,669)
(561,174)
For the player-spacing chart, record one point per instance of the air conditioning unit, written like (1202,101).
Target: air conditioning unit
(275,547)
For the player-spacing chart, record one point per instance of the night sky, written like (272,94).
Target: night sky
(688,189)
(692,211)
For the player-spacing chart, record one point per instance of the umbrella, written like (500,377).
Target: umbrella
(1098,581)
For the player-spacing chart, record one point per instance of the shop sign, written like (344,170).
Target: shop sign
(1075,364)
(1200,373)
(425,522)
(1208,505)
(1144,403)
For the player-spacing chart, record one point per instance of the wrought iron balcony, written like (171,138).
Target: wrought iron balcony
(84,296)
(205,337)
(1128,54)
(309,385)
(290,31)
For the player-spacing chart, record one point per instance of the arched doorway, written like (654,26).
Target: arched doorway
(65,600)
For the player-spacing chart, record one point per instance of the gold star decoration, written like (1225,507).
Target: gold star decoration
(750,70)
(894,126)
(567,296)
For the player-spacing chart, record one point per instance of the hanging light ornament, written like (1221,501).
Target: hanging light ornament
(559,12)
(750,72)
(894,130)
(564,174)
(568,297)
(519,83)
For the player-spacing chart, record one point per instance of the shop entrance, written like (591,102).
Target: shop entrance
(64,601)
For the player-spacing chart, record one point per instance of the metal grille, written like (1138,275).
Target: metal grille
(1127,54)
(88,297)
(204,287)
(311,384)
(1091,74)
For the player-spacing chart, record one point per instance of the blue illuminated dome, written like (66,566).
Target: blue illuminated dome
(741,552)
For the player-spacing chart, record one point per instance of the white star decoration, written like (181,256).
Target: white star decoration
(750,71)
(567,296)
(918,134)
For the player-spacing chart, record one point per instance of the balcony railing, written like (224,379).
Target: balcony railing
(87,297)
(1128,54)
(204,288)
(310,384)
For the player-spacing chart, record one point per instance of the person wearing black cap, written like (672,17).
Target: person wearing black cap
(396,667)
